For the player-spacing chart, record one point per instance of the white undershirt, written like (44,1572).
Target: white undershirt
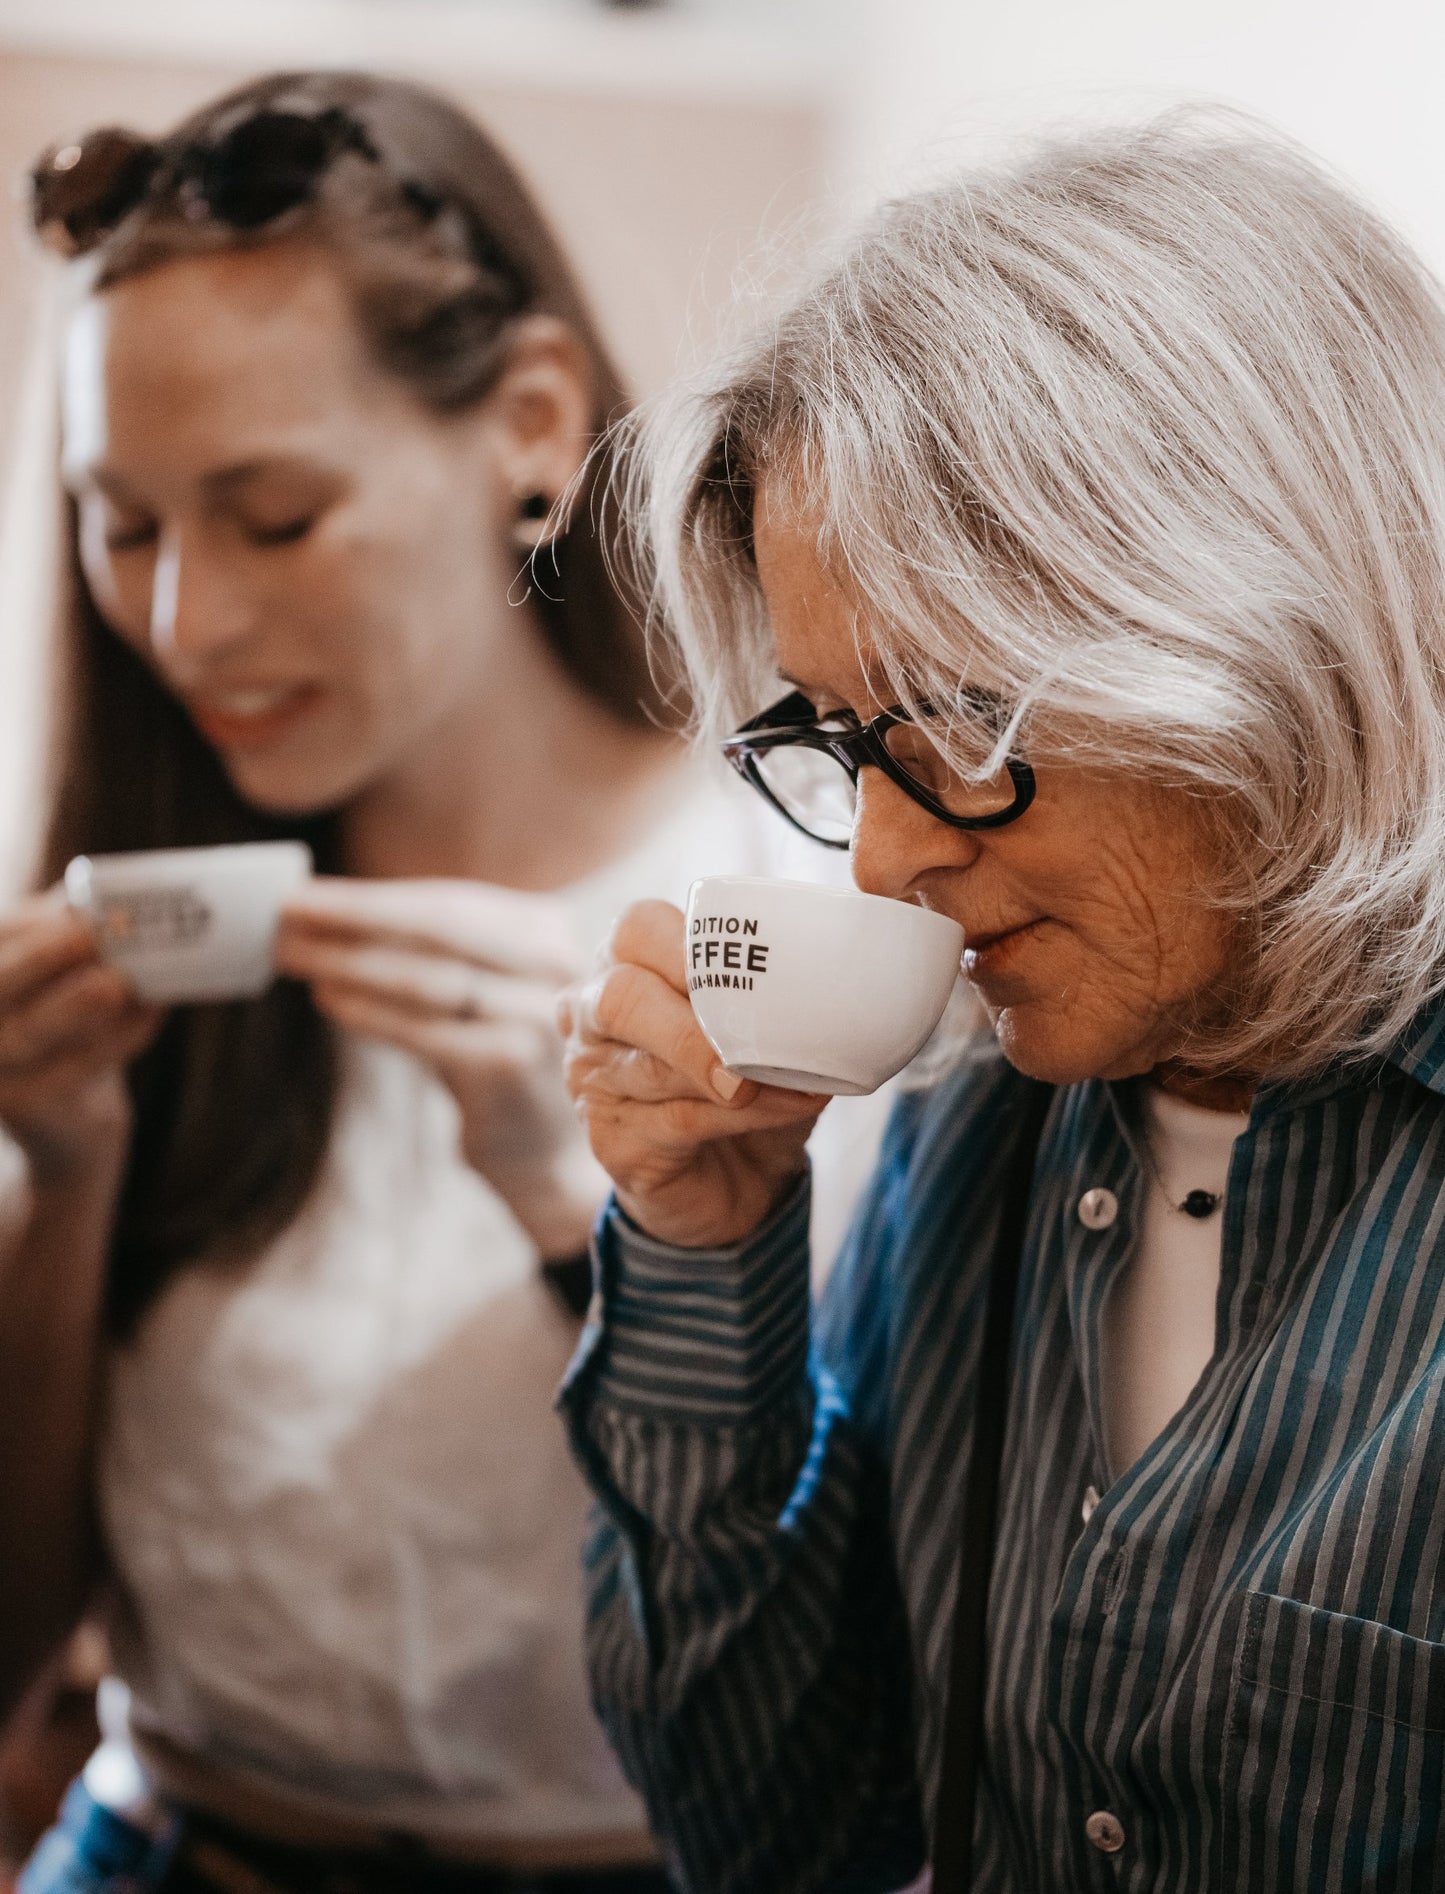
(1157,1330)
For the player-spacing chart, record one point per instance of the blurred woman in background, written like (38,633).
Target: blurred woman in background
(285,1309)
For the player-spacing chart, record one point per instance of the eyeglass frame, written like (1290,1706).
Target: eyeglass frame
(855,751)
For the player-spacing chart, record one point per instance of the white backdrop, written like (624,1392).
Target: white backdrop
(1363,83)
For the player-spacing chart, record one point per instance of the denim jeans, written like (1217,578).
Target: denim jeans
(93,1851)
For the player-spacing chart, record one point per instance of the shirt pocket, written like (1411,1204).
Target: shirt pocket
(1334,1759)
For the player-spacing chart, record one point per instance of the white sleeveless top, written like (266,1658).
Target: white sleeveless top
(342,1511)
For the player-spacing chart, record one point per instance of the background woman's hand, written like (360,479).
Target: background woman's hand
(699,1157)
(465,977)
(69,1025)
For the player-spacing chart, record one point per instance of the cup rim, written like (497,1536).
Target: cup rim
(812,887)
(193,855)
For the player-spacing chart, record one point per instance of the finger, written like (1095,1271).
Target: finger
(636,1008)
(443,1043)
(604,1069)
(423,982)
(68,1070)
(77,1005)
(500,928)
(116,1044)
(36,945)
(626,1132)
(650,934)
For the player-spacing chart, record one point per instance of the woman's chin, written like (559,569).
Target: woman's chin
(293,790)
(1050,1046)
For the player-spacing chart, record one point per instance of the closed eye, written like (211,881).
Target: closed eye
(130,536)
(284,532)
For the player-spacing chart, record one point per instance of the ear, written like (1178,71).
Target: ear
(540,413)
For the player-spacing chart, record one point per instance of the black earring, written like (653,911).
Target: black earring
(533,512)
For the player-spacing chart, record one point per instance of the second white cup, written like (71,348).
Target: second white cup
(190,924)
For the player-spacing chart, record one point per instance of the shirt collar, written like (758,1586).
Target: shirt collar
(1420,1053)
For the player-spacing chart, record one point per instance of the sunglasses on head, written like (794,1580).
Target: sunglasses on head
(269,163)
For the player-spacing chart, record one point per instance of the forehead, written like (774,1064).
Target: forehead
(817,617)
(238,354)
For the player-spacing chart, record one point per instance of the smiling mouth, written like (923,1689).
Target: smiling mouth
(252,715)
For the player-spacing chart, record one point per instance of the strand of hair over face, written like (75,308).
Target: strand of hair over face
(1146,434)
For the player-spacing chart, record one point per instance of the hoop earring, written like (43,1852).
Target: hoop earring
(530,532)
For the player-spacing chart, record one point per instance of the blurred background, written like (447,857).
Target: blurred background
(679,143)
(689,151)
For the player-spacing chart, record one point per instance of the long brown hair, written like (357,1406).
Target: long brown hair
(234,1103)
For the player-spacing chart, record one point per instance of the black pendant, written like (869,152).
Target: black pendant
(1200,1203)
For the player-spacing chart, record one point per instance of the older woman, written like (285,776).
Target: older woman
(1129,463)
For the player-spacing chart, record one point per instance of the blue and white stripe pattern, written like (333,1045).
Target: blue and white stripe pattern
(1239,1657)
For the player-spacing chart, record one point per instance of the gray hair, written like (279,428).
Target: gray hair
(1144,433)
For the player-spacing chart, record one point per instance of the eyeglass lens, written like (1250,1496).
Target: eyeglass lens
(820,794)
(268,165)
(923,763)
(812,787)
(265,166)
(79,191)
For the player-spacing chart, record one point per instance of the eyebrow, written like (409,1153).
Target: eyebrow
(226,479)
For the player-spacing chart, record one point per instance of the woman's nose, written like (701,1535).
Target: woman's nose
(195,612)
(896,842)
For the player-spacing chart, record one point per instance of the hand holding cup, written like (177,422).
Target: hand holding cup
(699,1156)
(69,1025)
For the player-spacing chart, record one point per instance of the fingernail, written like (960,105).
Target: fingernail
(726,1084)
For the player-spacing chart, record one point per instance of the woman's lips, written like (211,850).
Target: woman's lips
(251,718)
(986,954)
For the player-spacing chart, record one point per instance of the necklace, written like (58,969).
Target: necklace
(1199,1203)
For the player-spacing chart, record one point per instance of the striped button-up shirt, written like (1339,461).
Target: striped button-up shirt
(1227,1674)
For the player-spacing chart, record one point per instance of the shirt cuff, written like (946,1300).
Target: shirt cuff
(712,1335)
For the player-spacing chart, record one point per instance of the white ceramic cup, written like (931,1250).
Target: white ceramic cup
(819,989)
(190,924)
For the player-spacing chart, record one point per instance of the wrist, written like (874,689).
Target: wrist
(683,1227)
(88,1151)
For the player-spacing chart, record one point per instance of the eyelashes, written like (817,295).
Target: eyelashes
(284,533)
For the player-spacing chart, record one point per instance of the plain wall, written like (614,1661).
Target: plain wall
(1361,84)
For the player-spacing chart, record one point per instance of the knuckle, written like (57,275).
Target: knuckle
(640,926)
(679,1119)
(650,1071)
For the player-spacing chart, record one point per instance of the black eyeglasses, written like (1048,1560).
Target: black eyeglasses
(808,769)
(267,164)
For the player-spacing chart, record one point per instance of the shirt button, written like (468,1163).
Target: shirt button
(1091,1500)
(1105,1831)
(1098,1209)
